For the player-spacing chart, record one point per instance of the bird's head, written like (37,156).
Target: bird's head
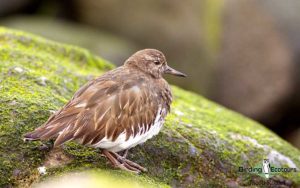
(153,62)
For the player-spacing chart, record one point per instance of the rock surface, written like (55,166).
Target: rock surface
(202,144)
(98,178)
(108,46)
(256,62)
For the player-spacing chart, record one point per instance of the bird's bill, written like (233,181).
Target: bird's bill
(174,72)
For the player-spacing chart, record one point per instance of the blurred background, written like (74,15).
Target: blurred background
(243,54)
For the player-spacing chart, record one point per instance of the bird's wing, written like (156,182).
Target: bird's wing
(131,109)
(102,108)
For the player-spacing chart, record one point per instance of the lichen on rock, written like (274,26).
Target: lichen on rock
(202,144)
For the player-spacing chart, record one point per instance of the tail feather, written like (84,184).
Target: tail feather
(55,126)
(41,133)
(49,132)
(31,136)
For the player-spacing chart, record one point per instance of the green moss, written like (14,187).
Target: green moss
(105,178)
(37,76)
(201,144)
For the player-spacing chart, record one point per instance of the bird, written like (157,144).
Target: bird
(117,111)
(266,168)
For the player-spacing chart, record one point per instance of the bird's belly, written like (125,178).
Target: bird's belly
(122,144)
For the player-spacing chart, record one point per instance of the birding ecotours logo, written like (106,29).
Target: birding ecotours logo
(266,170)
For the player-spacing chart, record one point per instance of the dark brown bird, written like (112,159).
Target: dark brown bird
(116,111)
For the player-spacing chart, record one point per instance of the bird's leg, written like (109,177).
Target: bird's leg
(135,165)
(122,158)
(112,158)
(127,162)
(125,153)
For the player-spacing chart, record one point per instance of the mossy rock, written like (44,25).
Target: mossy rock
(100,178)
(201,145)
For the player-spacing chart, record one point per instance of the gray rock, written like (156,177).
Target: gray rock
(109,46)
(255,73)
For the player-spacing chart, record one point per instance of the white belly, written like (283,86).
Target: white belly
(122,144)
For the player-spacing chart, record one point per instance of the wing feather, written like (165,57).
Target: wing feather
(103,109)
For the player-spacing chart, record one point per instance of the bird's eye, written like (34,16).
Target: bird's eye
(156,62)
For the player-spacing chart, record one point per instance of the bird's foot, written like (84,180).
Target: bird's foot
(128,163)
(121,158)
(123,163)
(125,153)
(135,165)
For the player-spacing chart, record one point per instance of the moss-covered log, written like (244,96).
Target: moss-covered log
(201,144)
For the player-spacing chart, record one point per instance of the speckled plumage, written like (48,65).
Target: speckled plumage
(118,110)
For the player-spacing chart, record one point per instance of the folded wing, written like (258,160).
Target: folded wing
(102,109)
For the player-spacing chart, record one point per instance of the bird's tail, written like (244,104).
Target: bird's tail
(31,136)
(44,132)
